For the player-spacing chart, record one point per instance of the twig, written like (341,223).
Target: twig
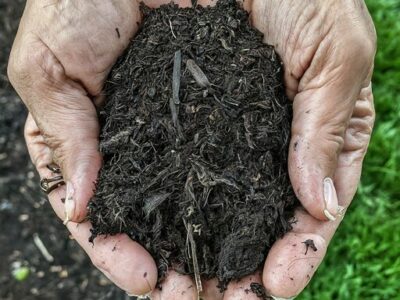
(42,248)
(191,244)
(174,101)
(193,252)
(176,77)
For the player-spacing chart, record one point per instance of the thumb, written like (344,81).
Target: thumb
(321,112)
(74,142)
(67,120)
(319,123)
(70,128)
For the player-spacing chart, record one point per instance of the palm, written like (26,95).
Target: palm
(86,37)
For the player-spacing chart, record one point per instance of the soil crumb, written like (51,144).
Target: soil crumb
(195,134)
(259,291)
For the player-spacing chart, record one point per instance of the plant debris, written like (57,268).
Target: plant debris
(195,136)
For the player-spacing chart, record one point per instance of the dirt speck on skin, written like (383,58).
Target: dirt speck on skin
(195,136)
(310,244)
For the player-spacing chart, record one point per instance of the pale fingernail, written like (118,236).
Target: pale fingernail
(278,298)
(69,204)
(341,211)
(331,200)
(140,297)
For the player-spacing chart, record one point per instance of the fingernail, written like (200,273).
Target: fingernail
(278,298)
(341,211)
(140,297)
(69,204)
(331,200)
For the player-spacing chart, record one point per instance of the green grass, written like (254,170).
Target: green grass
(363,261)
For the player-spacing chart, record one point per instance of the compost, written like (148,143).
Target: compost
(195,134)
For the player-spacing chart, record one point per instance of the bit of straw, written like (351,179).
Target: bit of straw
(193,255)
(42,248)
(195,262)
(172,30)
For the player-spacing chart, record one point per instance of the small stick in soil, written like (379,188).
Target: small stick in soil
(192,252)
(42,248)
(176,78)
(197,73)
(174,101)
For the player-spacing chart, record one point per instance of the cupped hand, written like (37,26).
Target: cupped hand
(63,53)
(328,49)
(60,59)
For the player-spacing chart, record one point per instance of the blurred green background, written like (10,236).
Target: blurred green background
(363,261)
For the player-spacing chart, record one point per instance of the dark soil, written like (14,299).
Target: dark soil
(195,136)
(24,210)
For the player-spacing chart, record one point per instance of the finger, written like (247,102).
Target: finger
(288,267)
(176,286)
(321,112)
(122,260)
(242,289)
(211,291)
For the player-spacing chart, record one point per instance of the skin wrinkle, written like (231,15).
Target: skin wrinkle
(299,49)
(96,56)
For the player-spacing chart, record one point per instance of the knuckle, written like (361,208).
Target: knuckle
(17,68)
(363,48)
(33,61)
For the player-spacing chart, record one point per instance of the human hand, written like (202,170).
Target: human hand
(328,50)
(61,56)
